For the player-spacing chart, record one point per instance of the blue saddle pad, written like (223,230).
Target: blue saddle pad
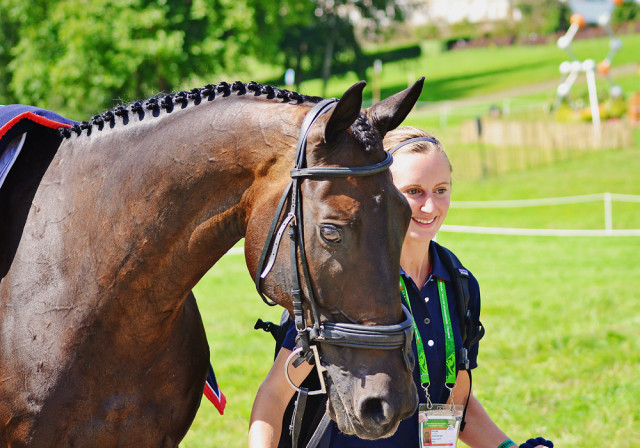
(17,120)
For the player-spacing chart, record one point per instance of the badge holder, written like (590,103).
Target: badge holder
(439,425)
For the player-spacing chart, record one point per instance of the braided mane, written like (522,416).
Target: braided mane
(169,102)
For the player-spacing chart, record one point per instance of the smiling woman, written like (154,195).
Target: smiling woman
(422,173)
(446,338)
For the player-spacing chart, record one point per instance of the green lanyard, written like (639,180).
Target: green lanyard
(450,347)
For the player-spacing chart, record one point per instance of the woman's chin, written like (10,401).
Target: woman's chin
(422,235)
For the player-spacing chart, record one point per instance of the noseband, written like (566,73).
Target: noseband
(387,337)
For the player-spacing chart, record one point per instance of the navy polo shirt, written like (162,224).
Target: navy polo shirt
(425,305)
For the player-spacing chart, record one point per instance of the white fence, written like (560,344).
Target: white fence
(607,199)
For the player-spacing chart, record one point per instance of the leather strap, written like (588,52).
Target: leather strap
(319,432)
(298,413)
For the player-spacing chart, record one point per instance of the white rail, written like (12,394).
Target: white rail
(607,198)
(547,201)
(537,232)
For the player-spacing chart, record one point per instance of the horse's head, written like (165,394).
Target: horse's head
(345,226)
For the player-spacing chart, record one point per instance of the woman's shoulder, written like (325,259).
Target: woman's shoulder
(456,267)
(447,257)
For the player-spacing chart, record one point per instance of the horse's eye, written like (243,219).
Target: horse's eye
(331,234)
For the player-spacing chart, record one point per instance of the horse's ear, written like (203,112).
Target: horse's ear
(390,112)
(345,113)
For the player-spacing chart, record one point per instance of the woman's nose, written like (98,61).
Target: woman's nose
(428,205)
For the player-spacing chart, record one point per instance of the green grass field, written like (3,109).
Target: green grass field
(471,72)
(561,356)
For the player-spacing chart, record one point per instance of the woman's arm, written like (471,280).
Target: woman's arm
(480,431)
(272,399)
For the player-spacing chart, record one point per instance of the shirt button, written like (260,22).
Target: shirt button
(430,343)
(426,300)
(427,320)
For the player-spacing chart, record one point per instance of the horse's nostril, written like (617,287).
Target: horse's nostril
(377,411)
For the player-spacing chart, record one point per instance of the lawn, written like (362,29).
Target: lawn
(562,350)
(467,73)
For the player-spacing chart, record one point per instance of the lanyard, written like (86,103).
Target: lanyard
(450,351)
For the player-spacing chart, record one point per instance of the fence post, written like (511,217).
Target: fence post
(483,158)
(443,115)
(608,218)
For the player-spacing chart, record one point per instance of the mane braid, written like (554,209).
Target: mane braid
(169,102)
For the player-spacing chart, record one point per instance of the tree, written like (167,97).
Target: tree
(81,56)
(544,16)
(325,35)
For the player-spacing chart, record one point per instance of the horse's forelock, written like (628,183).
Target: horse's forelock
(366,134)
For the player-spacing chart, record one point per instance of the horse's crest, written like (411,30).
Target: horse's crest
(170,102)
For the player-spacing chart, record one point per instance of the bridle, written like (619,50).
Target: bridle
(386,337)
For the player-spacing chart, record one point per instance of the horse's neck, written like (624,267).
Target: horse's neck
(165,198)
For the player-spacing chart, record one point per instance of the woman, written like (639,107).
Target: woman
(422,172)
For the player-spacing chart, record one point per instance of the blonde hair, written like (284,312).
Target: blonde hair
(404,133)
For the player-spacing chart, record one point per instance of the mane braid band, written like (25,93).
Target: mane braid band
(169,101)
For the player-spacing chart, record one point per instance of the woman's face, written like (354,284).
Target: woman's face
(425,180)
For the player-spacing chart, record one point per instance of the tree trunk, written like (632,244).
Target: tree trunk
(328,55)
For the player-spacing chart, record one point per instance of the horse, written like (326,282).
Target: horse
(102,343)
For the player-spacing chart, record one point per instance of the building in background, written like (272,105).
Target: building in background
(446,12)
(591,10)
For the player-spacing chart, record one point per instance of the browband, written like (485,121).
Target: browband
(411,140)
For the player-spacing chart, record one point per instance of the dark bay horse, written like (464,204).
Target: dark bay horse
(101,342)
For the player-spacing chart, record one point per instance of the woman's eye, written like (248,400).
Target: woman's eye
(331,234)
(413,191)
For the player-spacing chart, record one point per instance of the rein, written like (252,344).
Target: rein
(387,337)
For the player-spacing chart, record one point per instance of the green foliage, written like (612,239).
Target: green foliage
(543,17)
(324,37)
(625,12)
(81,56)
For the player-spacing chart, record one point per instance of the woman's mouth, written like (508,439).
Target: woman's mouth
(424,221)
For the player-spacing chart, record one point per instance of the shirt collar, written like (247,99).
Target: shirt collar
(439,270)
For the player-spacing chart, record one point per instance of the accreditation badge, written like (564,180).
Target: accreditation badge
(439,425)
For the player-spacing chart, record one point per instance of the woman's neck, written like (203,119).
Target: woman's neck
(416,262)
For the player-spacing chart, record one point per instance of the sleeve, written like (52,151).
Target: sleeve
(474,306)
(289,341)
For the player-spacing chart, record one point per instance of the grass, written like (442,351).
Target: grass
(598,172)
(562,350)
(562,336)
(471,72)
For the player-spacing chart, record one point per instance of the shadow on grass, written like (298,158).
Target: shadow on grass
(463,85)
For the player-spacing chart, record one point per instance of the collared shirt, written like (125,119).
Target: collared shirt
(425,305)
